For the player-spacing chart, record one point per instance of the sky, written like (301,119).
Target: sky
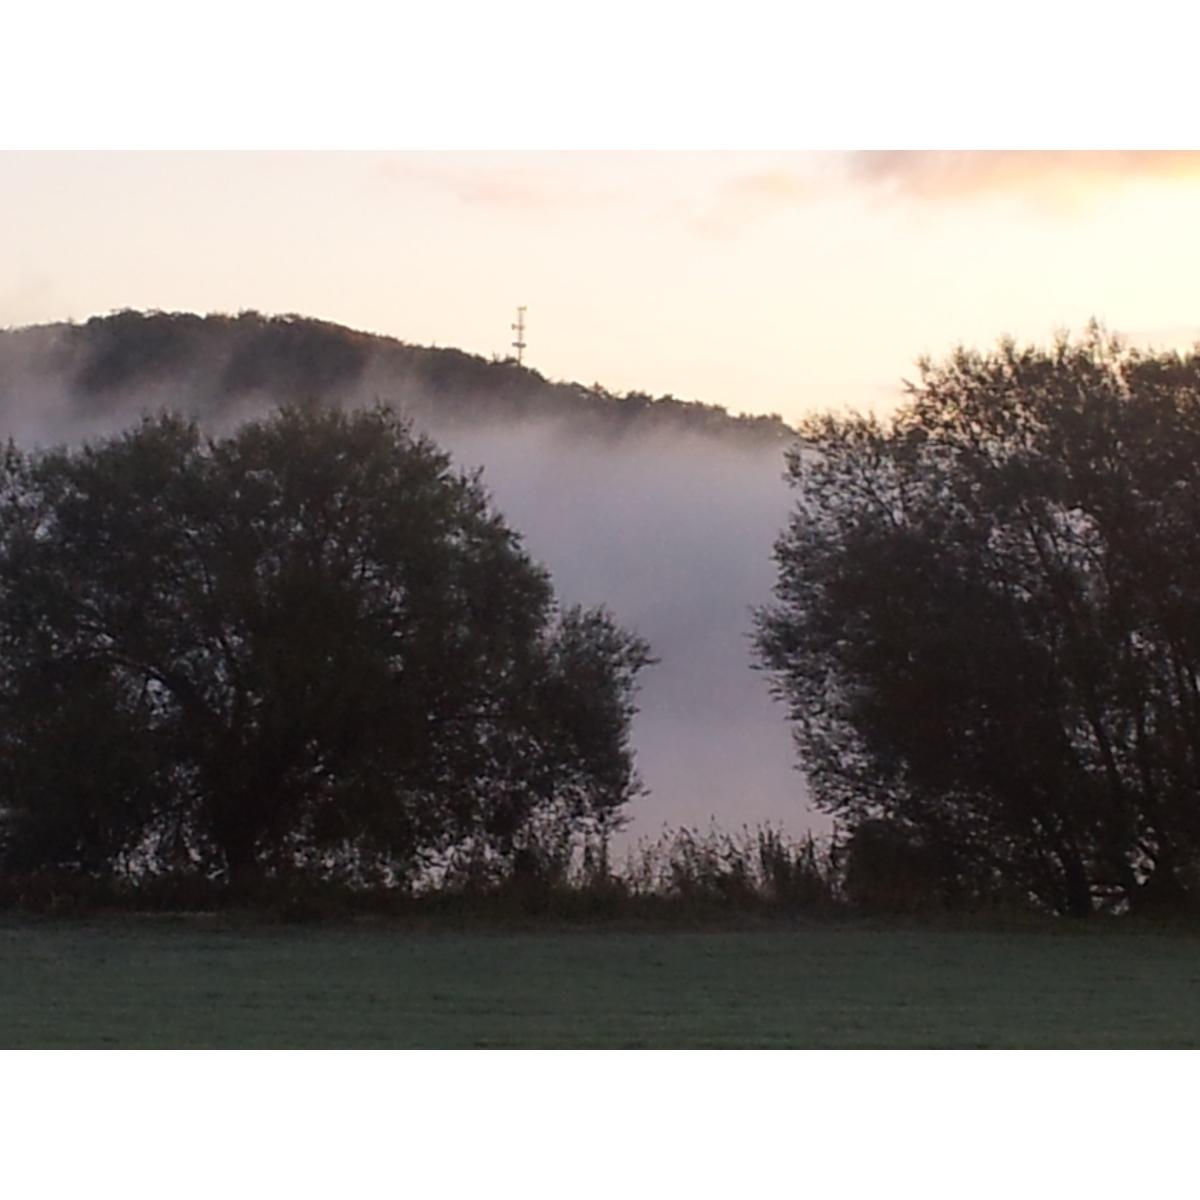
(766,281)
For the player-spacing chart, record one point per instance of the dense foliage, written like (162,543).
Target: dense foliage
(220,366)
(987,626)
(309,646)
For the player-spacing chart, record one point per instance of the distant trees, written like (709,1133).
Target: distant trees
(309,645)
(987,624)
(219,366)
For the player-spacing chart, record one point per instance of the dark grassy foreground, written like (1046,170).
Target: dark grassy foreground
(170,982)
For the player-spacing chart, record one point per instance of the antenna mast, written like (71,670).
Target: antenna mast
(519,326)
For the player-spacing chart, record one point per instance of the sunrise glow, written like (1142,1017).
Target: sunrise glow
(779,282)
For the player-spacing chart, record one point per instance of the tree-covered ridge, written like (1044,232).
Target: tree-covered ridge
(222,361)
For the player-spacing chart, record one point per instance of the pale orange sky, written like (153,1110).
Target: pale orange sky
(763,281)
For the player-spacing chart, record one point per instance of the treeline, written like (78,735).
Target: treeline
(211,367)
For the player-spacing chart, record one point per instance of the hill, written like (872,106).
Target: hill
(218,367)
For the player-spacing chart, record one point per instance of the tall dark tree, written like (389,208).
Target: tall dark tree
(987,624)
(311,642)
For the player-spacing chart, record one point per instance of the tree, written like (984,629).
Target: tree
(987,621)
(309,643)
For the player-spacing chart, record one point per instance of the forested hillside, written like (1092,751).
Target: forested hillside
(217,366)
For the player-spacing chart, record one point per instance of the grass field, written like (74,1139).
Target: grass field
(157,982)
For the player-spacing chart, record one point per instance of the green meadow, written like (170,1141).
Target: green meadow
(174,982)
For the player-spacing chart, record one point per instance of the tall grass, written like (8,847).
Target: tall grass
(760,868)
(683,873)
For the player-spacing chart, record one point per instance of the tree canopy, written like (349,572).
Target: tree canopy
(217,366)
(308,644)
(987,622)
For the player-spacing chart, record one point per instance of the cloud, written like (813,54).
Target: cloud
(498,182)
(1047,178)
(1058,181)
(774,186)
(714,192)
(748,197)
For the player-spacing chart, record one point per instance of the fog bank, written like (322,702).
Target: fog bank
(674,535)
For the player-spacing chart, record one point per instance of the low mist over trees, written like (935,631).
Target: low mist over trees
(310,644)
(987,626)
(219,367)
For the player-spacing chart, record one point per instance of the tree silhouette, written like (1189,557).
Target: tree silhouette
(987,624)
(310,643)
